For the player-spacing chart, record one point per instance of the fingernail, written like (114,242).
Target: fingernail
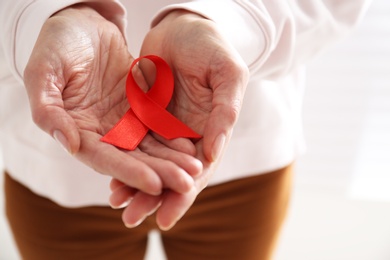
(123,205)
(169,226)
(154,209)
(61,139)
(219,143)
(166,228)
(129,225)
(137,223)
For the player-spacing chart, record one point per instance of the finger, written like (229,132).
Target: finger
(121,196)
(148,71)
(187,162)
(123,166)
(141,206)
(173,208)
(175,205)
(172,176)
(183,145)
(140,79)
(114,184)
(44,91)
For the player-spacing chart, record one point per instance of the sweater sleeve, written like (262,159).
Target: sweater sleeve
(275,36)
(22,20)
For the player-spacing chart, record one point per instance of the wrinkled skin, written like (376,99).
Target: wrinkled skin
(75,82)
(210,81)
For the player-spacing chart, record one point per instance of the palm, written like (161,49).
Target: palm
(75,81)
(95,96)
(95,70)
(209,86)
(192,100)
(210,78)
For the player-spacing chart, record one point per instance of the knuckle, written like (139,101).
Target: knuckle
(232,111)
(240,71)
(39,115)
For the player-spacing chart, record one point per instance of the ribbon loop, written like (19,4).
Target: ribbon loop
(148,110)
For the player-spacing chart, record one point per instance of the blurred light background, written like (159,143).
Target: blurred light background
(340,208)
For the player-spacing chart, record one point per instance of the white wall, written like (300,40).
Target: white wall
(340,208)
(341,203)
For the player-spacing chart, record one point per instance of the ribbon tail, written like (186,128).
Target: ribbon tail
(127,133)
(165,124)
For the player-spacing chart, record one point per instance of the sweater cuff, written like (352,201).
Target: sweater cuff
(235,22)
(34,16)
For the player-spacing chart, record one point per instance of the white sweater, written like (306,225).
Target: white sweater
(274,37)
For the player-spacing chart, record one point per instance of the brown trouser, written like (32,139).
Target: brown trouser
(238,220)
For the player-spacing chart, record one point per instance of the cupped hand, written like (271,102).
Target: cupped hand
(75,82)
(210,81)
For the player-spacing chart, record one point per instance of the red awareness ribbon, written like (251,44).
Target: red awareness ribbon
(148,110)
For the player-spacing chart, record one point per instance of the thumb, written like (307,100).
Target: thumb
(47,109)
(226,105)
(218,130)
(59,124)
